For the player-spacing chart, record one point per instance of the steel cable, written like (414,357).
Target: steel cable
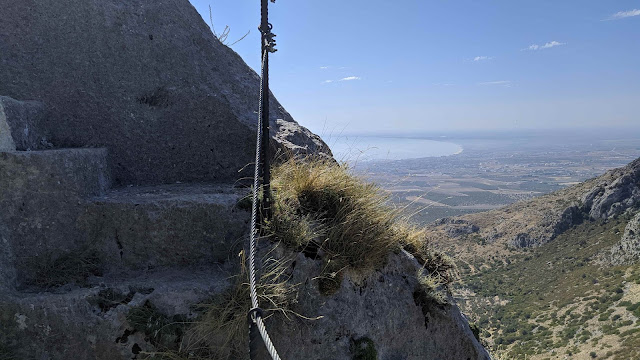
(255,317)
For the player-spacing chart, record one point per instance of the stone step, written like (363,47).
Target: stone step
(20,125)
(113,318)
(41,196)
(72,172)
(167,225)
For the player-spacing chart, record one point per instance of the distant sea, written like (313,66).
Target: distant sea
(353,148)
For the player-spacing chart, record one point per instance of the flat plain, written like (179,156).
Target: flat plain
(498,169)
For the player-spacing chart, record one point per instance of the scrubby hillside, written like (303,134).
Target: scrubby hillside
(557,276)
(558,300)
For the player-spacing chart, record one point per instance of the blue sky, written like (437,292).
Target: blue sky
(442,65)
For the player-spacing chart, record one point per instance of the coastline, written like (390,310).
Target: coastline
(385,148)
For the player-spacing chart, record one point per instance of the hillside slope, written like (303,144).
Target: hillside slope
(557,276)
(534,222)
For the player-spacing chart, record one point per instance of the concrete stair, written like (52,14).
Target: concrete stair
(111,318)
(168,225)
(78,257)
(58,209)
(42,194)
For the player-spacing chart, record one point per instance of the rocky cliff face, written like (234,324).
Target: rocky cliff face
(627,251)
(145,79)
(104,273)
(382,311)
(140,93)
(615,193)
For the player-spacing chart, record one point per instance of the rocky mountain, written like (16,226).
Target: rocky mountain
(540,220)
(554,277)
(627,251)
(124,129)
(147,80)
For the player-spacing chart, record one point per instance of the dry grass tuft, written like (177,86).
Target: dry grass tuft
(322,209)
(222,331)
(53,270)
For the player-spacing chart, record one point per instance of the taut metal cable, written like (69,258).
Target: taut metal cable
(255,314)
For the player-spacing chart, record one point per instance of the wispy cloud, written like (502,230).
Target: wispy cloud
(545,46)
(505,83)
(444,84)
(482,58)
(348,78)
(624,14)
(324,67)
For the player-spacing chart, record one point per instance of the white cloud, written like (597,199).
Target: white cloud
(324,67)
(505,83)
(348,78)
(624,14)
(545,46)
(482,58)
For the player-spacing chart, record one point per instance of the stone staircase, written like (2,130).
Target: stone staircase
(78,256)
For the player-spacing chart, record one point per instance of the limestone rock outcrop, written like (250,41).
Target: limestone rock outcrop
(614,196)
(627,251)
(145,79)
(121,211)
(94,271)
(382,310)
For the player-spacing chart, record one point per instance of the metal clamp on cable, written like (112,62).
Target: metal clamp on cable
(253,315)
(269,38)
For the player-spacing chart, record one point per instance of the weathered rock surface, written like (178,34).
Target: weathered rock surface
(88,272)
(141,93)
(615,196)
(111,318)
(95,273)
(6,138)
(20,125)
(41,197)
(57,205)
(627,251)
(168,225)
(145,79)
(381,307)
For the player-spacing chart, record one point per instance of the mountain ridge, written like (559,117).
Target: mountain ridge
(557,276)
(537,221)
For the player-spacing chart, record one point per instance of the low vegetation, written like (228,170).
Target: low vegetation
(325,212)
(558,301)
(363,349)
(54,269)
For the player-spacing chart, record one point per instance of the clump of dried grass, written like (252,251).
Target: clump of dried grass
(222,330)
(321,208)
